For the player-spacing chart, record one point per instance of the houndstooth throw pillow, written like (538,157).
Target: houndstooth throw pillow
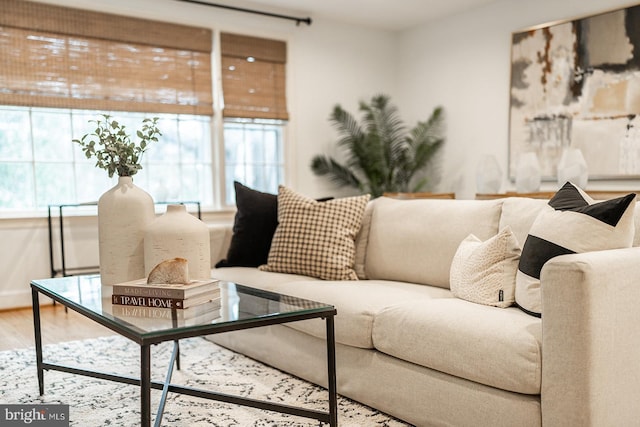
(316,239)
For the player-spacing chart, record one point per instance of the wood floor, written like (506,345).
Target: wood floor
(16,327)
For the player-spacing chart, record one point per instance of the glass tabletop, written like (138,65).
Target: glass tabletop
(238,307)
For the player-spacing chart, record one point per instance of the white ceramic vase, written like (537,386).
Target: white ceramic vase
(177,233)
(124,212)
(573,167)
(528,176)
(488,175)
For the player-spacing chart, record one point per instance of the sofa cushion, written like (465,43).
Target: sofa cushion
(357,303)
(414,240)
(314,238)
(497,347)
(572,223)
(362,239)
(485,272)
(519,213)
(255,278)
(255,222)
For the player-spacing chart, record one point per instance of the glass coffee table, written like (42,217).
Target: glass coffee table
(241,307)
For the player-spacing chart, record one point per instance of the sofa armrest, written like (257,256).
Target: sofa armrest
(591,339)
(220,239)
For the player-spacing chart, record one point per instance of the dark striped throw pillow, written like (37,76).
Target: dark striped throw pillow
(573,223)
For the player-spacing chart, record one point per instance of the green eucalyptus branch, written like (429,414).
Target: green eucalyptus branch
(112,146)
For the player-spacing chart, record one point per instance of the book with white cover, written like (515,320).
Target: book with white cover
(140,288)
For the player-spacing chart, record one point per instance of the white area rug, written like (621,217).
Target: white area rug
(95,402)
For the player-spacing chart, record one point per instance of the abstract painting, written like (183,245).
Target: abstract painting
(576,84)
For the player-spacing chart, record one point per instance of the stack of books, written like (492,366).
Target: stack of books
(139,299)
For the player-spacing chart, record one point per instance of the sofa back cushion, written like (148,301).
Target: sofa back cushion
(362,238)
(518,213)
(415,240)
(636,222)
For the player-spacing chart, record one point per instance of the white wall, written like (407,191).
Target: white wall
(328,63)
(462,62)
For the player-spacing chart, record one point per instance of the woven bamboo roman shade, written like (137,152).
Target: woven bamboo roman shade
(52,56)
(253,77)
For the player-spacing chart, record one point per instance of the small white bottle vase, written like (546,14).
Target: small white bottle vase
(177,233)
(488,175)
(528,175)
(124,212)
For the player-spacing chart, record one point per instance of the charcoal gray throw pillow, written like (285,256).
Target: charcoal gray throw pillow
(572,223)
(253,228)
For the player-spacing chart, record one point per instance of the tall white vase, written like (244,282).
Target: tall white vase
(177,233)
(124,212)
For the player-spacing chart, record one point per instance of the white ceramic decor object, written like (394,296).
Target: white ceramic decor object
(573,167)
(528,173)
(177,233)
(124,212)
(488,175)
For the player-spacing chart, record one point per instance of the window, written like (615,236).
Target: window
(39,165)
(62,67)
(253,155)
(255,113)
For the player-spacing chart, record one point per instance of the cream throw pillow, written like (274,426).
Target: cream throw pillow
(485,272)
(314,238)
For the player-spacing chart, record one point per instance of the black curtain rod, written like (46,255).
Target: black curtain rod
(257,12)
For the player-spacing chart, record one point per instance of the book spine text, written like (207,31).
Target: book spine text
(143,301)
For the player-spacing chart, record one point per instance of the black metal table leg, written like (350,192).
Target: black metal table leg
(167,382)
(145,385)
(35,307)
(177,344)
(331,365)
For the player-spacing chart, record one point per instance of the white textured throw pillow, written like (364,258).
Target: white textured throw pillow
(485,272)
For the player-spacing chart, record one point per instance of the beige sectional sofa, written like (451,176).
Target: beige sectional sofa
(408,347)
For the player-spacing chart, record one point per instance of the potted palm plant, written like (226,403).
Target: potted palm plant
(382,155)
(124,211)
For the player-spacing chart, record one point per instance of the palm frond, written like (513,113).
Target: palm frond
(431,129)
(425,140)
(347,126)
(382,119)
(337,173)
(419,185)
